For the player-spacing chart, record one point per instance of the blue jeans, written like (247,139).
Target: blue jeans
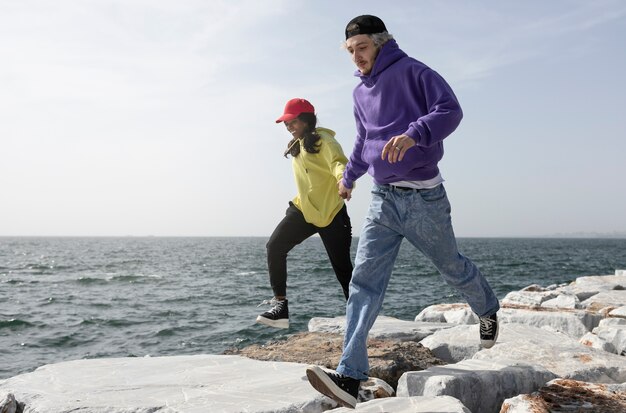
(423,218)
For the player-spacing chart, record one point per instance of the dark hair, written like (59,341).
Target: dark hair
(310,137)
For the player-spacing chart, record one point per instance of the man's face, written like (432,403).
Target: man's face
(363,52)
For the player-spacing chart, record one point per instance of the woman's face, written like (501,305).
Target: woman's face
(296,127)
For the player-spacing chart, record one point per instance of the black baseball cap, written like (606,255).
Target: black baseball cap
(365,24)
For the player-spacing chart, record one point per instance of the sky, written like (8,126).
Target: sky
(155,117)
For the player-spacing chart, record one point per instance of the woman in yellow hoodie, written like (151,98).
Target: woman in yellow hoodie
(318,164)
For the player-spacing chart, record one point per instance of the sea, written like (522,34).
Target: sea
(67,298)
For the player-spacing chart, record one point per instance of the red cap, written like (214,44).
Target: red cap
(295,107)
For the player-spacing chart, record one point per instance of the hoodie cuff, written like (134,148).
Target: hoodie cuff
(414,134)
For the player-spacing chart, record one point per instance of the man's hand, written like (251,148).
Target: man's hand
(397,146)
(345,193)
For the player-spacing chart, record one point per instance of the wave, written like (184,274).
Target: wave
(133,278)
(116,278)
(14,281)
(110,322)
(166,332)
(249,273)
(15,323)
(65,340)
(91,281)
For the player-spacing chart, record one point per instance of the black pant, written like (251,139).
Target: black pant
(293,229)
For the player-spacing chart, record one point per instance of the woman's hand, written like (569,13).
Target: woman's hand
(344,193)
(397,146)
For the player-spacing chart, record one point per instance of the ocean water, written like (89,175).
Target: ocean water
(71,298)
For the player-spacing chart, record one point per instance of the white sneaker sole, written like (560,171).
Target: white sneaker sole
(323,384)
(282,323)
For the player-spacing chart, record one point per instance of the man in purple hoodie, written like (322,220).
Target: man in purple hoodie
(403,110)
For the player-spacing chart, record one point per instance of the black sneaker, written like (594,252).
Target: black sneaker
(342,389)
(277,316)
(488,330)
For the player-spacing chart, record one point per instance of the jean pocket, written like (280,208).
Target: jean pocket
(379,192)
(434,194)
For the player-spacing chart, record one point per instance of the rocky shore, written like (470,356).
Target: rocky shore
(561,348)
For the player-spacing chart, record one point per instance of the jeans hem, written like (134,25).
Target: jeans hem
(490,312)
(346,371)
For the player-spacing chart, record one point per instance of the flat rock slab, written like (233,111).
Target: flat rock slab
(444,313)
(388,359)
(606,282)
(574,323)
(618,312)
(575,396)
(610,300)
(557,352)
(458,313)
(529,298)
(458,343)
(615,335)
(181,384)
(441,404)
(384,328)
(481,385)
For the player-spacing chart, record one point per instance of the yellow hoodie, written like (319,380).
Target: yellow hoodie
(317,175)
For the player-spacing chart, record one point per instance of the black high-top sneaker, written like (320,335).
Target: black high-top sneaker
(488,330)
(277,316)
(342,389)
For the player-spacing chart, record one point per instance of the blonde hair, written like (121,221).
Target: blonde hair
(379,39)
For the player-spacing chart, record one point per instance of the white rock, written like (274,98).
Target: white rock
(528,298)
(182,384)
(462,343)
(582,291)
(555,286)
(383,328)
(613,298)
(612,321)
(574,323)
(592,340)
(457,343)
(619,312)
(562,355)
(586,287)
(567,301)
(441,404)
(614,334)
(461,316)
(432,314)
(457,313)
(481,385)
(620,273)
(436,313)
(602,282)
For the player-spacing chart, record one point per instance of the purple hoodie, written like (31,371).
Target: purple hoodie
(400,96)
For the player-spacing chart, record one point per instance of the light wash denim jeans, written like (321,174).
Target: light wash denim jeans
(423,218)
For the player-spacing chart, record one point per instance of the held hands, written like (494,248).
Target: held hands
(394,151)
(397,146)
(344,193)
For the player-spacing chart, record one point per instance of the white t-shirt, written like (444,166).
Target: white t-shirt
(429,183)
